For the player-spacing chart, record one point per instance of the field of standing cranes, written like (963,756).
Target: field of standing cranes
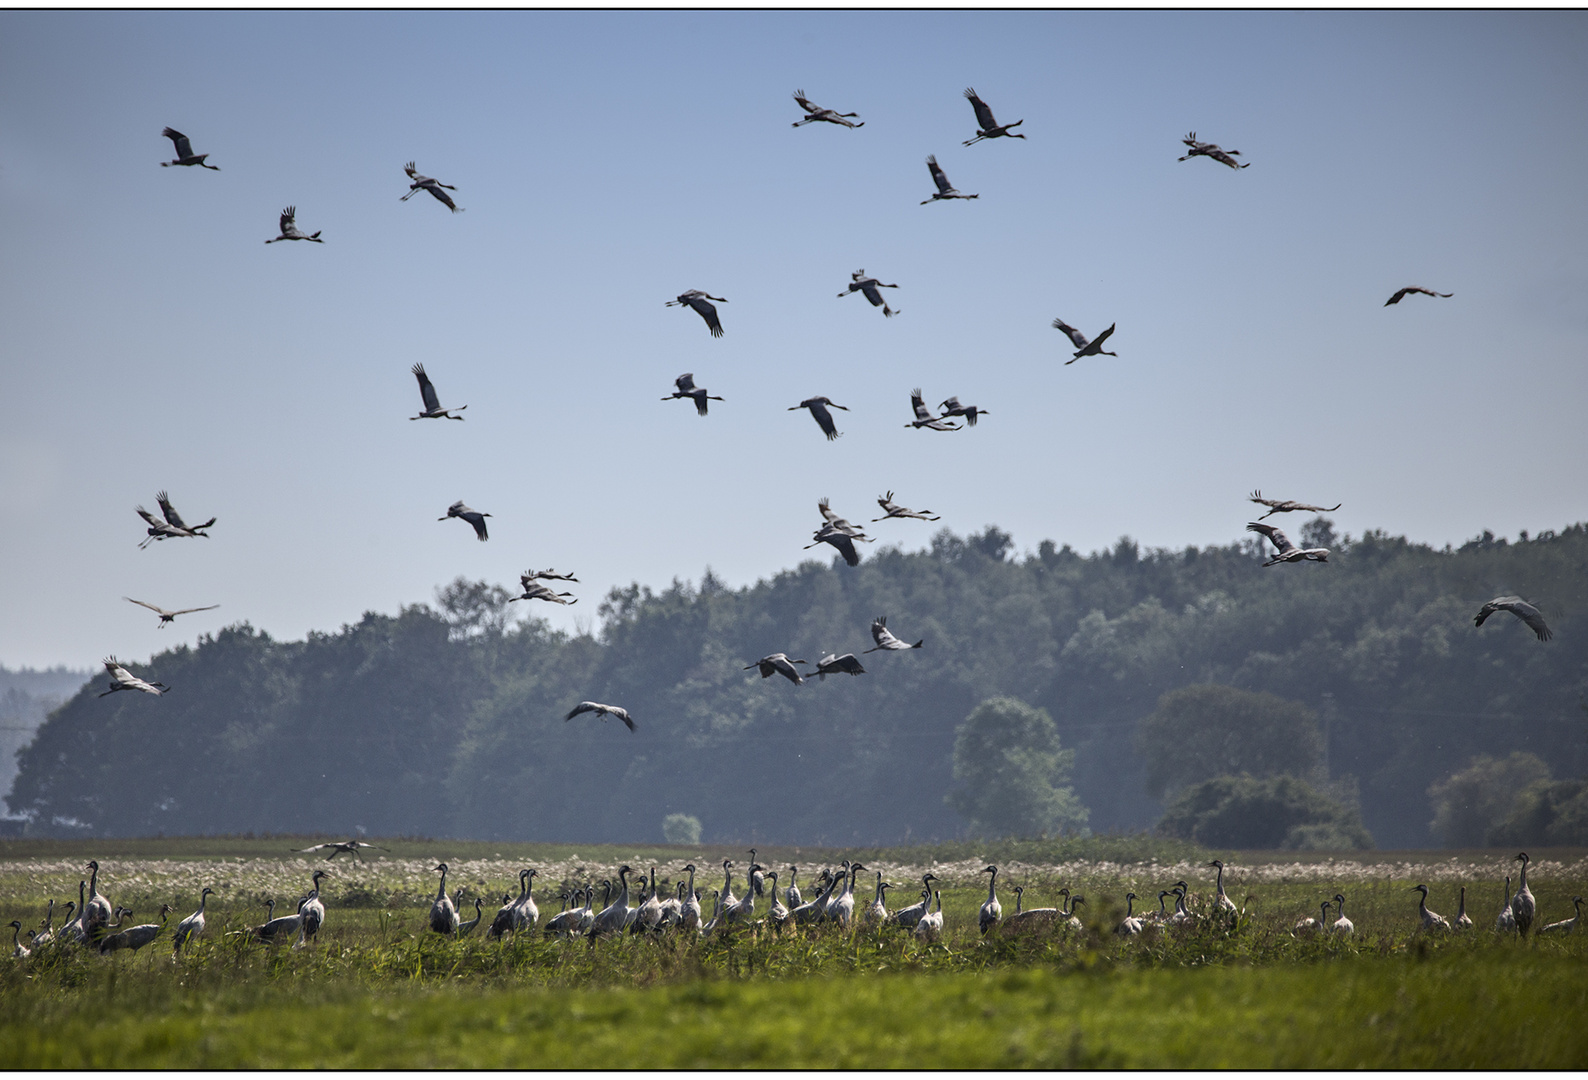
(377,988)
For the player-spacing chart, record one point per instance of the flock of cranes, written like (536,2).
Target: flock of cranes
(834,531)
(644,906)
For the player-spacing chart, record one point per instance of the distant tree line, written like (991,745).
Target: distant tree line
(1056,692)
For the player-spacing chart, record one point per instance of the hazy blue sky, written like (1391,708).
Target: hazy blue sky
(149,339)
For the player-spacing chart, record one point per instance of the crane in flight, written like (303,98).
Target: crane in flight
(923,415)
(815,112)
(122,679)
(427,393)
(1212,150)
(694,298)
(184,151)
(341,847)
(533,590)
(472,516)
(945,190)
(601,711)
(824,419)
(290,230)
(779,664)
(425,183)
(172,526)
(1529,614)
(167,616)
(892,509)
(839,538)
(885,639)
(1285,551)
(952,407)
(1400,294)
(688,389)
(847,664)
(868,286)
(987,126)
(1285,506)
(1082,346)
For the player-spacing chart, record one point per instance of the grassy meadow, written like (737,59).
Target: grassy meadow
(377,989)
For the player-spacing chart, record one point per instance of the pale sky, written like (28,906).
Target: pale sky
(150,340)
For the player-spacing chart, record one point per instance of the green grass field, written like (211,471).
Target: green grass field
(379,990)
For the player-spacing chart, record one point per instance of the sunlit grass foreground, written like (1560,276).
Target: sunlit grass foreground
(379,990)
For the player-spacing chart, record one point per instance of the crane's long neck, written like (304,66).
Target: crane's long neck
(1221,879)
(879,887)
(1521,882)
(49,917)
(623,897)
(1461,905)
(93,881)
(1422,903)
(441,890)
(691,879)
(992,885)
(1130,903)
(203,898)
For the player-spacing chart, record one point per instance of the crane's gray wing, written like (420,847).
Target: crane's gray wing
(169,511)
(189,610)
(184,148)
(918,404)
(984,115)
(427,389)
(151,607)
(1074,335)
(943,186)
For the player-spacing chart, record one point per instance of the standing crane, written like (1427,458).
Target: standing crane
(868,286)
(1211,150)
(312,909)
(1342,926)
(1463,921)
(427,184)
(987,126)
(891,509)
(1285,506)
(907,918)
(602,711)
(1400,294)
(779,664)
(991,910)
(427,393)
(167,616)
(615,916)
(1431,920)
(192,927)
(694,298)
(1565,926)
(1222,902)
(1529,614)
(1284,550)
(1309,925)
(688,389)
(815,112)
(1131,924)
(19,951)
(952,407)
(122,679)
(930,928)
(505,919)
(824,419)
(290,230)
(923,415)
(472,516)
(185,154)
(1523,906)
(443,912)
(1504,923)
(945,190)
(1082,346)
(134,937)
(885,639)
(876,913)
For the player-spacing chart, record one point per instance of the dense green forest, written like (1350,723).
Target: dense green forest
(448,719)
